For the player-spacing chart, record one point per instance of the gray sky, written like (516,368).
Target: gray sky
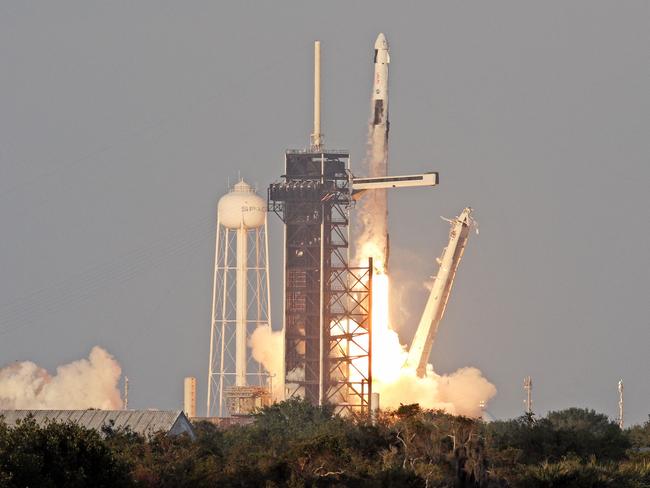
(121,123)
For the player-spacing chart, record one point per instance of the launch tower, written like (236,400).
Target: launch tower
(327,302)
(327,323)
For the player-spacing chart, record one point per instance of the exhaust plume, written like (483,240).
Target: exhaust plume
(463,392)
(372,209)
(79,385)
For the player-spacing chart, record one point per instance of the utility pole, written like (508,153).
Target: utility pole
(528,387)
(126,393)
(621,423)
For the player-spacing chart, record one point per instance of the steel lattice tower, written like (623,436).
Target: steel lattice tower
(327,303)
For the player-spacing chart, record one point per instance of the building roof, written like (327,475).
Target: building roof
(143,422)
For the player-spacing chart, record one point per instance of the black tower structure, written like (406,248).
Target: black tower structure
(327,303)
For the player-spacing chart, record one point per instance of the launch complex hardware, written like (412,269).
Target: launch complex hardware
(327,302)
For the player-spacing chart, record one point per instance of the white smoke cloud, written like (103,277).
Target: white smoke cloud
(81,384)
(463,392)
(267,346)
(296,374)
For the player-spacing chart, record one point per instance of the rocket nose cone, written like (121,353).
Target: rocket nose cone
(381,42)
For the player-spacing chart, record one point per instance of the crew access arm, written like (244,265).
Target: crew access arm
(435,307)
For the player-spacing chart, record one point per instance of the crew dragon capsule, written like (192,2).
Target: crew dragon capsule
(380,89)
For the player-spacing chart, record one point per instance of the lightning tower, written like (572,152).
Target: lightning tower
(621,422)
(528,387)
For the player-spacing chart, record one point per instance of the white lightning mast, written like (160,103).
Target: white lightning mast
(316,142)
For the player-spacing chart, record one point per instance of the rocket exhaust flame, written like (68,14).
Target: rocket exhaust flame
(463,392)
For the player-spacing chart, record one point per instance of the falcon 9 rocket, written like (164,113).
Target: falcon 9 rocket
(375,210)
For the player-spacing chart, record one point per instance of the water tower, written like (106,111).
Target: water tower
(240,303)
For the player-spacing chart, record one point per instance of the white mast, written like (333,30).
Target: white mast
(316,136)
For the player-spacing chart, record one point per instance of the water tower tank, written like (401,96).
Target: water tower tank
(242,207)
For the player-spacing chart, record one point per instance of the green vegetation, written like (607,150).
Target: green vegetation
(297,445)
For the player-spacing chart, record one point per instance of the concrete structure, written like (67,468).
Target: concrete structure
(240,295)
(246,400)
(143,422)
(189,397)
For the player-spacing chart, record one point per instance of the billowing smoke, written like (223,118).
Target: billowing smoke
(267,346)
(81,384)
(410,285)
(463,392)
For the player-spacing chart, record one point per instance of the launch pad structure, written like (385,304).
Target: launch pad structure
(327,302)
(327,315)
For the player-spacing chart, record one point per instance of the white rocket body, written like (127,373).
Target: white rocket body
(380,84)
(378,160)
(435,308)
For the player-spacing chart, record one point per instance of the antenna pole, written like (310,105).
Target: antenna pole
(528,386)
(316,136)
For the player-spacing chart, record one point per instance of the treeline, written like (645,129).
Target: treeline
(297,445)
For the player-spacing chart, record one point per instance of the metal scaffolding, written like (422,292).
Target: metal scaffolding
(349,308)
(326,302)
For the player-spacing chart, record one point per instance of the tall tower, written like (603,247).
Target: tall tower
(528,387)
(240,303)
(621,422)
(327,302)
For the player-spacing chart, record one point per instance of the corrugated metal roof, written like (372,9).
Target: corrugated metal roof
(144,422)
